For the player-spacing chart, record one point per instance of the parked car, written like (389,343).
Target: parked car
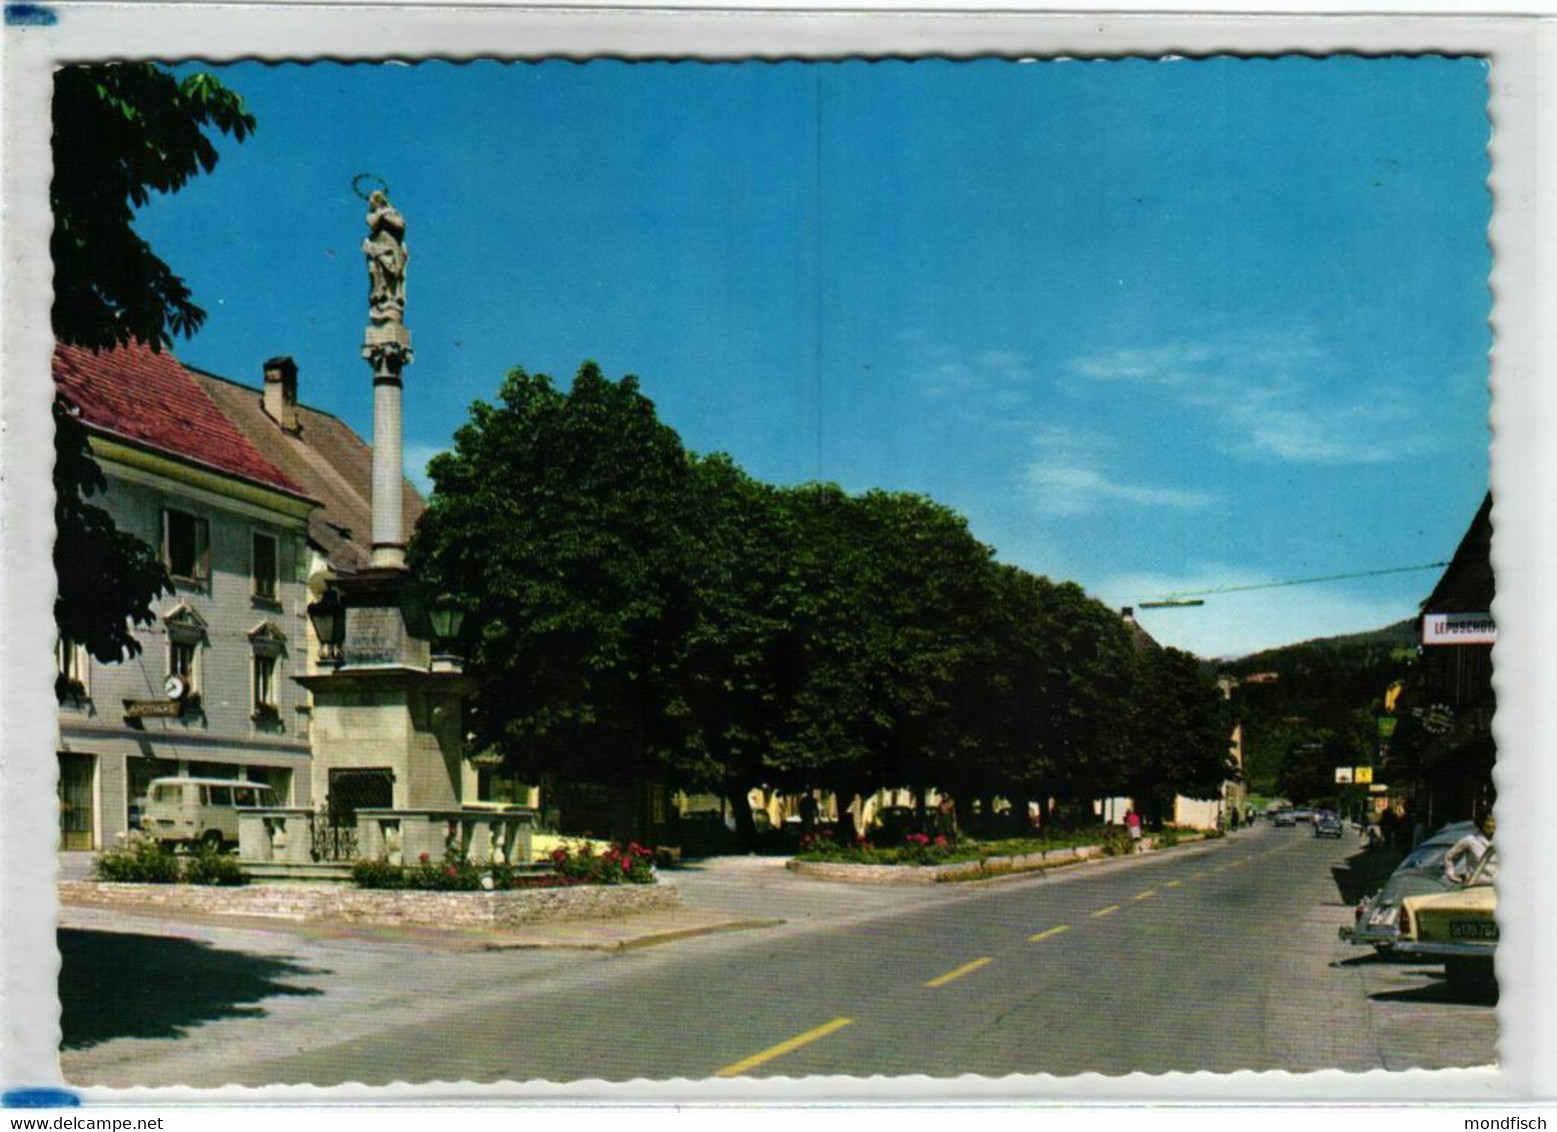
(1302,813)
(1286,818)
(1375,919)
(1327,825)
(1460,926)
(200,809)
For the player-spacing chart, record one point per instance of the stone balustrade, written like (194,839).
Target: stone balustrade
(284,835)
(482,837)
(276,835)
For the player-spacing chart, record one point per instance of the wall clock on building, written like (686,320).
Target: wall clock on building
(174,687)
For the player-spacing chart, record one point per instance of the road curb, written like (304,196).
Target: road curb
(652,939)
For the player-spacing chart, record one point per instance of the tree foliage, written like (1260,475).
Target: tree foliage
(121,131)
(639,612)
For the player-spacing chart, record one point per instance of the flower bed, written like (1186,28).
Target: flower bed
(921,849)
(569,866)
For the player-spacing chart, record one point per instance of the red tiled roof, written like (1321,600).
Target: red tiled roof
(150,399)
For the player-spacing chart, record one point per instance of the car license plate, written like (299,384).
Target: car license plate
(1472,929)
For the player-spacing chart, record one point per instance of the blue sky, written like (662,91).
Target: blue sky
(1154,326)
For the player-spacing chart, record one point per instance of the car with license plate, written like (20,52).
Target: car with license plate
(1422,873)
(1285,818)
(1459,927)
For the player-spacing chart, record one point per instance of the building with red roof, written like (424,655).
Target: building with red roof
(210,694)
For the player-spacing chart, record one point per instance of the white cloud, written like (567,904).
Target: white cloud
(1071,477)
(1235,624)
(1273,396)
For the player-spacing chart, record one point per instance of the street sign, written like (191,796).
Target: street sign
(1459,629)
(1363,774)
(1343,774)
(152,709)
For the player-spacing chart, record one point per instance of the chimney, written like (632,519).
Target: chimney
(1128,613)
(280,401)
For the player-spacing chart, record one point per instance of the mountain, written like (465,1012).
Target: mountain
(1322,691)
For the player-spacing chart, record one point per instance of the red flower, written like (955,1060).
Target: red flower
(423,858)
(940,841)
(452,871)
(558,856)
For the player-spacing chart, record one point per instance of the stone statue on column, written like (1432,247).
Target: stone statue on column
(387,255)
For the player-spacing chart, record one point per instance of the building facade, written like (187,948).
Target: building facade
(210,693)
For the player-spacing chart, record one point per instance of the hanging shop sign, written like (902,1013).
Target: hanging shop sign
(152,709)
(1459,629)
(1343,774)
(1363,774)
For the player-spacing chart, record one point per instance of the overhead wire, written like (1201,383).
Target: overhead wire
(1176,598)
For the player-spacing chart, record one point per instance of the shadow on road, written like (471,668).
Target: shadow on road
(1363,873)
(1371,958)
(114,985)
(1441,991)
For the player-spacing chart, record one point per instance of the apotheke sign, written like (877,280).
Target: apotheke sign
(1459,629)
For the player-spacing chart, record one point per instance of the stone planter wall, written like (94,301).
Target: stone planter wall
(932,874)
(335,903)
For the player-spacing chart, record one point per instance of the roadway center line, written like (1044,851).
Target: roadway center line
(1147,895)
(782,1048)
(1045,935)
(1105,911)
(965,969)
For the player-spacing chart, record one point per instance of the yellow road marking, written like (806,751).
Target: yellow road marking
(1047,934)
(965,969)
(1173,884)
(1147,895)
(782,1048)
(1105,911)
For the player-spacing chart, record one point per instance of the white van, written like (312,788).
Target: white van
(200,809)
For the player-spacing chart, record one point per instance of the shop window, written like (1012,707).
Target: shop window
(265,567)
(186,546)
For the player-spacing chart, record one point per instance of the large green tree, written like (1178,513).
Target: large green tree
(1180,732)
(737,665)
(560,518)
(121,131)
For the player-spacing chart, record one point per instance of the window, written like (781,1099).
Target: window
(70,668)
(493,785)
(266,567)
(265,685)
(181,662)
(187,546)
(218,795)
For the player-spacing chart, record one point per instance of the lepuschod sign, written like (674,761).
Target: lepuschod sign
(1459,629)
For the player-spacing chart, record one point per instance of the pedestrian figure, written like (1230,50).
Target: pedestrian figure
(946,818)
(1133,824)
(807,813)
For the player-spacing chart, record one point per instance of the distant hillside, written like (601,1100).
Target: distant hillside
(1315,689)
(1402,634)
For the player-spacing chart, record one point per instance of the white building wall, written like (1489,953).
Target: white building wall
(224,731)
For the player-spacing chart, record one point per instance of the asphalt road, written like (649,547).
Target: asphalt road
(1215,958)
